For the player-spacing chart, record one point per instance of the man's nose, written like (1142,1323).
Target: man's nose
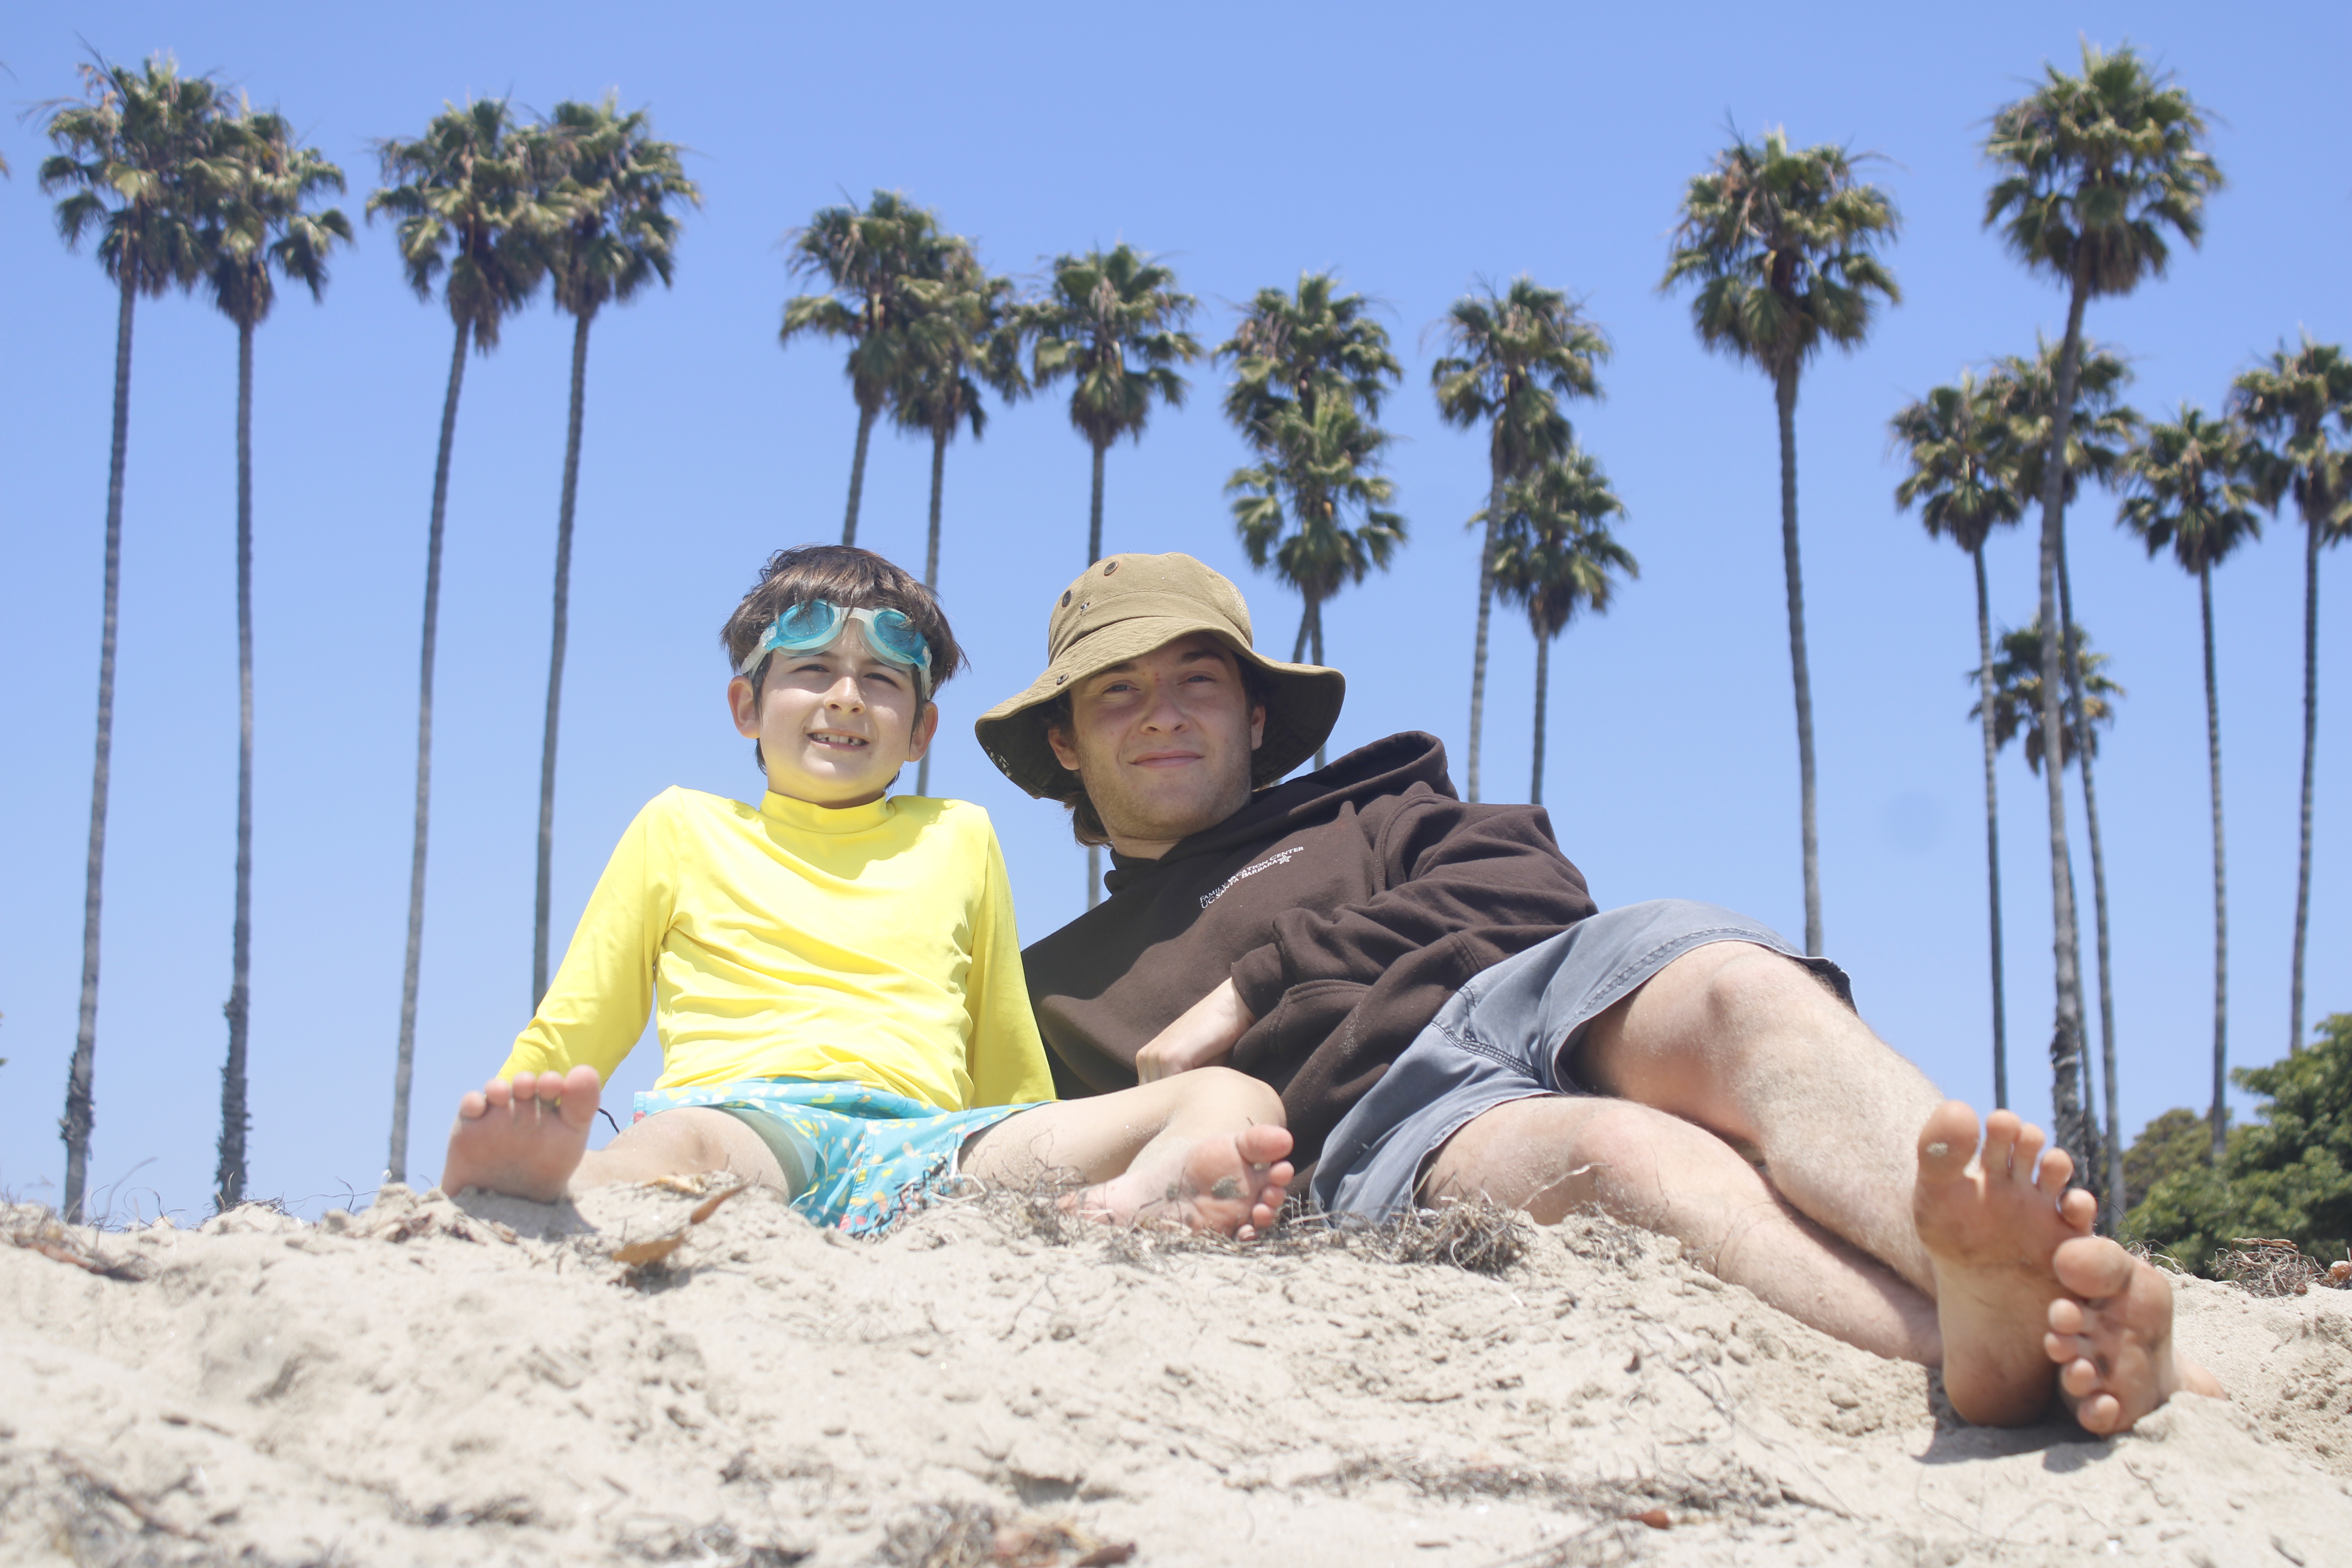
(1162,712)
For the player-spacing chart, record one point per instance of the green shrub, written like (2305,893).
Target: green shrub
(2287,1175)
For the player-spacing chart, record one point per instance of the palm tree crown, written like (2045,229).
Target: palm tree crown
(467,201)
(2097,167)
(1781,247)
(2017,696)
(2100,429)
(611,186)
(2188,490)
(1292,509)
(135,160)
(1963,474)
(259,223)
(1297,350)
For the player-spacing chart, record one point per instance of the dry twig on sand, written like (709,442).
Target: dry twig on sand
(2275,1267)
(38,1229)
(972,1535)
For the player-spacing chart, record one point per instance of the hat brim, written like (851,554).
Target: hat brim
(1302,703)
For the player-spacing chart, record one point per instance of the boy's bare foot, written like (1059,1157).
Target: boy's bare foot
(1991,1226)
(1233,1184)
(523,1139)
(2114,1348)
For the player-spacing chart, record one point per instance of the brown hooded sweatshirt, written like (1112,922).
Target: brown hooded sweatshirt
(1346,906)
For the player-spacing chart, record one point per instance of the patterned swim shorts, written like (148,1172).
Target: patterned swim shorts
(873,1156)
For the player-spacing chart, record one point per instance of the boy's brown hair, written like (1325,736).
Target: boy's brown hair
(845,576)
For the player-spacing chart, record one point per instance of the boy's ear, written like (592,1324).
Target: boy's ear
(925,728)
(744,704)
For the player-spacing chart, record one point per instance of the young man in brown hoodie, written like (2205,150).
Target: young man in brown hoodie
(1446,1012)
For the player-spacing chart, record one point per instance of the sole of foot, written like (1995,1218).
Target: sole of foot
(2111,1338)
(1233,1184)
(1993,1224)
(525,1138)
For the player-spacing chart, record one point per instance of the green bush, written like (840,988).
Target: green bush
(2287,1175)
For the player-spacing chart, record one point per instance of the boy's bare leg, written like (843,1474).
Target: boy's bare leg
(1553,1156)
(2113,1345)
(528,1139)
(1202,1149)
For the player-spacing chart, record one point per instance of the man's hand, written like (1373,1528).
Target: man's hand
(1202,1036)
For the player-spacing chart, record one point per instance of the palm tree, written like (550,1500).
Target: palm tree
(2016,687)
(964,338)
(1291,508)
(867,259)
(2188,490)
(258,222)
(2100,431)
(613,186)
(1515,357)
(1554,554)
(1112,322)
(1781,247)
(2289,403)
(1964,481)
(466,204)
(2095,167)
(1292,351)
(129,158)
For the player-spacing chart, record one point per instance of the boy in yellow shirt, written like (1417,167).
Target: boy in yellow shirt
(835,976)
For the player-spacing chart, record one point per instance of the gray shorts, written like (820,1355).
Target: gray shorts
(1508,1035)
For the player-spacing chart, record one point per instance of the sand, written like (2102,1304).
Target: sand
(432,1382)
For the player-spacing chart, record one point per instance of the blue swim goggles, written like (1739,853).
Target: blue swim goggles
(815,624)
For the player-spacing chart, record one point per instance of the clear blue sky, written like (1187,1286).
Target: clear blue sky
(1414,151)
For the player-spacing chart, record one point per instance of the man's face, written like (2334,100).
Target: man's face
(1163,743)
(836,725)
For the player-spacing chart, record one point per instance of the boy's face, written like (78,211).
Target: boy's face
(835,725)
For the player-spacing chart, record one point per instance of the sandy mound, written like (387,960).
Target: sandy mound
(424,1384)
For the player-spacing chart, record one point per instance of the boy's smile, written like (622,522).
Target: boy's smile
(836,725)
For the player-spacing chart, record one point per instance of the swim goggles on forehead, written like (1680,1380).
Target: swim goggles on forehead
(815,624)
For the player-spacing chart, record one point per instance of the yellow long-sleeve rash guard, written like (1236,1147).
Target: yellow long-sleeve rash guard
(874,943)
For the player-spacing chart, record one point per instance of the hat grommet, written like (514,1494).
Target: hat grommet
(1109,567)
(1065,598)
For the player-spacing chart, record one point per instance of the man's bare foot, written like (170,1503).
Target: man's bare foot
(1233,1184)
(523,1139)
(1991,1226)
(2114,1348)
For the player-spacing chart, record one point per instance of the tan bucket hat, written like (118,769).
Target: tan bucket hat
(1123,608)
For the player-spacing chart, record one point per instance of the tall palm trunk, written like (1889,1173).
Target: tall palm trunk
(1315,610)
(1485,606)
(228,1177)
(2108,1173)
(80,1110)
(2310,744)
(1543,695)
(1992,833)
(562,621)
(931,563)
(2221,893)
(1093,553)
(2066,1034)
(396,1166)
(858,471)
(1784,397)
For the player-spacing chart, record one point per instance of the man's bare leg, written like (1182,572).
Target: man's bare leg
(528,1139)
(1752,1047)
(2113,1345)
(1553,1156)
(1202,1149)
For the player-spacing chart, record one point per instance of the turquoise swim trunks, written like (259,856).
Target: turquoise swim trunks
(872,1156)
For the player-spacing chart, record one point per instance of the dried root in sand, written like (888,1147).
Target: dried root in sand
(2276,1267)
(38,1229)
(973,1535)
